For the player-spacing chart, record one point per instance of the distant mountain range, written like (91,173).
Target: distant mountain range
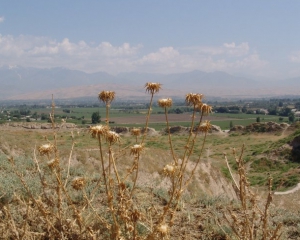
(19,83)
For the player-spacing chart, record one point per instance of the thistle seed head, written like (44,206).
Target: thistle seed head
(205,126)
(163,229)
(193,99)
(204,108)
(152,87)
(136,132)
(78,183)
(53,163)
(169,169)
(165,102)
(130,228)
(136,149)
(45,149)
(98,130)
(106,96)
(112,137)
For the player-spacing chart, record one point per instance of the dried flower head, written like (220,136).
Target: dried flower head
(204,108)
(78,183)
(53,163)
(165,102)
(135,215)
(130,228)
(46,149)
(163,229)
(136,149)
(135,132)
(112,137)
(106,96)
(169,169)
(152,87)
(98,130)
(193,98)
(205,126)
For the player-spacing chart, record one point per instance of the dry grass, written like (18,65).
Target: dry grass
(126,188)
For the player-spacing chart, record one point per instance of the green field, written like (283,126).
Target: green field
(78,114)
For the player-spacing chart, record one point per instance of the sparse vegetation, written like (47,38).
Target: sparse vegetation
(77,187)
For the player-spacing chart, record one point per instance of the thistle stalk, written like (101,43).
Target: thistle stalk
(136,166)
(102,163)
(170,139)
(147,118)
(112,159)
(152,88)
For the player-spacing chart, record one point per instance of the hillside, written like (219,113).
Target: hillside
(33,83)
(208,194)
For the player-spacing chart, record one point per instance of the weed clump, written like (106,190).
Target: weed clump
(106,206)
(60,201)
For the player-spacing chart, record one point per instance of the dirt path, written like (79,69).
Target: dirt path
(284,130)
(289,191)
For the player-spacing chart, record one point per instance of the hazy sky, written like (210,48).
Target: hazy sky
(258,38)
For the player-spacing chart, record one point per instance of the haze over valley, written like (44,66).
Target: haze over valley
(20,83)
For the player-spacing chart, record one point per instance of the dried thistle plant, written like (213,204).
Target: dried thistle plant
(109,206)
(106,96)
(165,102)
(193,99)
(53,163)
(78,183)
(112,137)
(204,108)
(170,169)
(135,132)
(252,219)
(205,126)
(152,87)
(136,149)
(46,149)
(99,130)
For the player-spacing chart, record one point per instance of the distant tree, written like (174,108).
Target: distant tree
(230,125)
(258,119)
(67,110)
(16,114)
(244,109)
(297,105)
(291,117)
(280,119)
(273,111)
(24,112)
(280,104)
(34,115)
(96,118)
(178,111)
(222,109)
(285,111)
(44,116)
(234,108)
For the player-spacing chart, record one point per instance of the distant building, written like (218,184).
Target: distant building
(264,111)
(297,114)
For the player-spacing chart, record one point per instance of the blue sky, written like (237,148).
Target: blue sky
(259,39)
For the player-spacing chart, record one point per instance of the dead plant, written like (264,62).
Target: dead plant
(109,207)
(250,219)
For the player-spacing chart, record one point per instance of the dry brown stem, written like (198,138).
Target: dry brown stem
(251,220)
